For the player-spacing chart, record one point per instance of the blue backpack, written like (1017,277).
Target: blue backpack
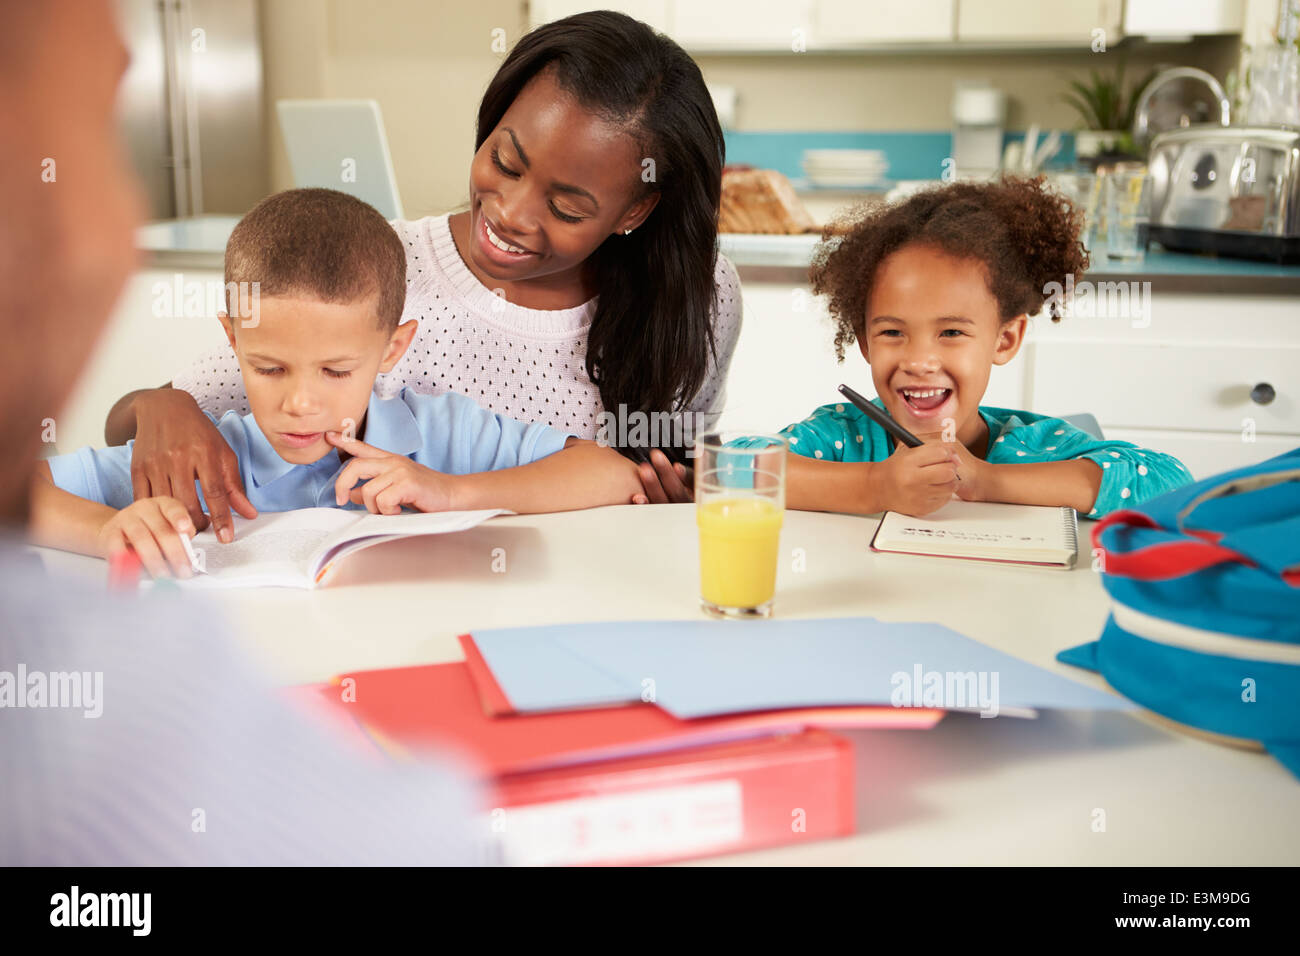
(1204,584)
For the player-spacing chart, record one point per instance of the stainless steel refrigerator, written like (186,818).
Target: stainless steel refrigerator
(191,104)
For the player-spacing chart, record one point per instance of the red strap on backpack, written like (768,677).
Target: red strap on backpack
(1159,562)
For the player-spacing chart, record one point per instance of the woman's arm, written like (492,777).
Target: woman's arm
(119,427)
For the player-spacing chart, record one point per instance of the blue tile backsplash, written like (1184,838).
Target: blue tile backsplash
(912,155)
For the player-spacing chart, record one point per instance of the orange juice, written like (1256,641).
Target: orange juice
(739,539)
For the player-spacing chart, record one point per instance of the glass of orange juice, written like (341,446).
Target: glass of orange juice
(739,505)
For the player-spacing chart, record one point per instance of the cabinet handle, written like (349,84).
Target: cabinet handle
(1262,393)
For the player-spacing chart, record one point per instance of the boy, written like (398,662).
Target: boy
(316,282)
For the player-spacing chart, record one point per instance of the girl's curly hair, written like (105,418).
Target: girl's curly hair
(1025,235)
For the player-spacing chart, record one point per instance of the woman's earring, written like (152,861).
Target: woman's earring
(627,232)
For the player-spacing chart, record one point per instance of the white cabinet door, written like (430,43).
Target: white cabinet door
(1206,453)
(1072,22)
(1182,17)
(761,25)
(1197,387)
(652,12)
(864,22)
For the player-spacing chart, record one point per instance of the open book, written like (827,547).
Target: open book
(983,531)
(297,549)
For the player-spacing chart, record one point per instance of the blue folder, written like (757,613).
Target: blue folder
(705,667)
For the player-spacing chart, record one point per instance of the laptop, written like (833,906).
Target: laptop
(340,144)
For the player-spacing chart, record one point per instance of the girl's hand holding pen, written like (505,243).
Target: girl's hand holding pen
(916,481)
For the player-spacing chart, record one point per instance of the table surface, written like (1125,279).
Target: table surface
(970,791)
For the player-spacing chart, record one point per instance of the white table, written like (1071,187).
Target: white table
(969,791)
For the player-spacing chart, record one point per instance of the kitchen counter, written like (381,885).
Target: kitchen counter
(196,243)
(200,242)
(785,259)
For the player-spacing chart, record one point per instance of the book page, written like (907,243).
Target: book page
(370,529)
(274,549)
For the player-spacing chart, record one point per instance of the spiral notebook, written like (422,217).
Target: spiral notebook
(982,531)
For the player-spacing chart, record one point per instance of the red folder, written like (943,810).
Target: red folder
(625,785)
(438,706)
(706,801)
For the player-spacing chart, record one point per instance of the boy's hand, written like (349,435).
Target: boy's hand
(917,481)
(153,528)
(973,474)
(391,481)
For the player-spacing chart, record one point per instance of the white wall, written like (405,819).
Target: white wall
(138,349)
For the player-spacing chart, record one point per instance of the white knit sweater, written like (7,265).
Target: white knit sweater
(528,364)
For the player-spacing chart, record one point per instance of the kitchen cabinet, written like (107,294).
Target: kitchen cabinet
(1182,380)
(775,25)
(653,12)
(1035,21)
(779,26)
(1182,18)
(866,22)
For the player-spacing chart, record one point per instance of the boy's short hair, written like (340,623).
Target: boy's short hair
(319,243)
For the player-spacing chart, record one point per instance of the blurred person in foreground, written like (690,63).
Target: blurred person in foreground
(176,751)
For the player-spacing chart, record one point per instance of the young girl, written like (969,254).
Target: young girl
(937,290)
(583,277)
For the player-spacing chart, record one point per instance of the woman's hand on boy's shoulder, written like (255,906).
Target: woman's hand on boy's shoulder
(152,527)
(176,445)
(392,482)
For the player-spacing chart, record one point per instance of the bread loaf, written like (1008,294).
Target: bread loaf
(761,201)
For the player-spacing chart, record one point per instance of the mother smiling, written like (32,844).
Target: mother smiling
(583,278)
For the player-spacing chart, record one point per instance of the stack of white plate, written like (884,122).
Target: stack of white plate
(845,168)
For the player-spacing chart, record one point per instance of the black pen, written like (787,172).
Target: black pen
(881,418)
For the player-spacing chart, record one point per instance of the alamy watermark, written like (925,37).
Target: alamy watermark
(67,689)
(951,690)
(77,908)
(1100,300)
(647,430)
(194,299)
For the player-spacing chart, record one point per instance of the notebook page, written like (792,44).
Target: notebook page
(984,530)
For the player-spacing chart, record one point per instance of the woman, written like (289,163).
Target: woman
(584,277)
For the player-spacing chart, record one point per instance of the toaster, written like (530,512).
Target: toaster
(1228,190)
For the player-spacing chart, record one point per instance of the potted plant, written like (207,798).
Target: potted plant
(1106,109)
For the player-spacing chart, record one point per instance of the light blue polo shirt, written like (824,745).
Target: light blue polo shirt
(449,433)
